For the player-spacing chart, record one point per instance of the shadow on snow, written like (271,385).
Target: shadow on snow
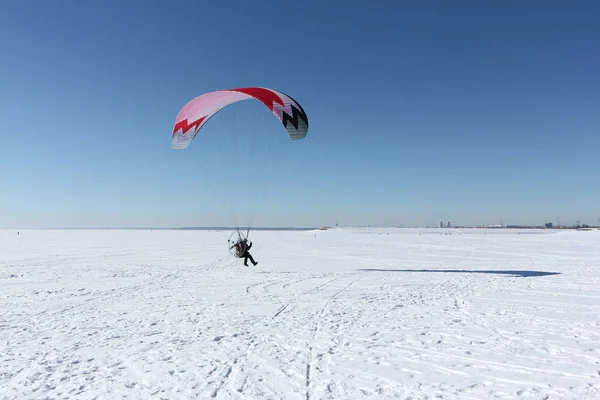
(514,273)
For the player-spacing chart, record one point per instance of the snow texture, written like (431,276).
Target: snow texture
(337,314)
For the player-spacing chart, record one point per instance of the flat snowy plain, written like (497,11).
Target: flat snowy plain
(338,314)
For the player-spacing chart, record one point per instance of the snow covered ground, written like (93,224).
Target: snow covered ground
(338,314)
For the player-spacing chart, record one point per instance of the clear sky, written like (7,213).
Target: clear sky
(473,112)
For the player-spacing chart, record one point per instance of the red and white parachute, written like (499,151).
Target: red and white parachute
(197,111)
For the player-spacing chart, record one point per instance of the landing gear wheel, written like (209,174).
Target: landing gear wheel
(237,237)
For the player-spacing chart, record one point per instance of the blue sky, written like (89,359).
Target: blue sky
(465,111)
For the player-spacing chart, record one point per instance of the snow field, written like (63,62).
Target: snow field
(338,314)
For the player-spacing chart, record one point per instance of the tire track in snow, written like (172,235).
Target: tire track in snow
(65,327)
(250,288)
(226,373)
(241,359)
(316,330)
(508,366)
(263,286)
(282,309)
(48,320)
(295,297)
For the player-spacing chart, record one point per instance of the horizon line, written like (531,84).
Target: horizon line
(300,228)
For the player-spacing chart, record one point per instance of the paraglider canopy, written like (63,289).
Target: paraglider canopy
(197,111)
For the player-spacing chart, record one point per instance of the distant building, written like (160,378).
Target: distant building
(448,224)
(548,225)
(441,224)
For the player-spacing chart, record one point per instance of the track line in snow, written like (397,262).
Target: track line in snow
(280,311)
(316,330)
(263,284)
(544,371)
